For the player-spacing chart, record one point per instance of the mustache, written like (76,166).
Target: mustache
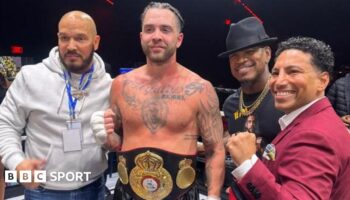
(72,53)
(157,45)
(245,64)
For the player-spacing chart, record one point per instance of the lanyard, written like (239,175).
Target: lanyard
(72,102)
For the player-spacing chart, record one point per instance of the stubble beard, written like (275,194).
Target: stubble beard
(158,58)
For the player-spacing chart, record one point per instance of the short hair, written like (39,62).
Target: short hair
(180,20)
(321,53)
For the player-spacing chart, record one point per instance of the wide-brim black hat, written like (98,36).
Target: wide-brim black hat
(247,33)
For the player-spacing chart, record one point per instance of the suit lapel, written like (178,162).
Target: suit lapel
(309,112)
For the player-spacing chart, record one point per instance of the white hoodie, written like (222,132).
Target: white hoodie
(37,103)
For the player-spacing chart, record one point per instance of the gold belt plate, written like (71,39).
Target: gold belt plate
(186,174)
(123,170)
(148,179)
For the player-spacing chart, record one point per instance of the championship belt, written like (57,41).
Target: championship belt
(154,174)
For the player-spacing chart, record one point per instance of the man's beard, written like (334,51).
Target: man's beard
(160,57)
(251,81)
(247,83)
(78,68)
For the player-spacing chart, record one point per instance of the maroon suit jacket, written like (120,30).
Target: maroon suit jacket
(312,160)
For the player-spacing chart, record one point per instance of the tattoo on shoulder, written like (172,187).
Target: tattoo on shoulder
(154,114)
(193,87)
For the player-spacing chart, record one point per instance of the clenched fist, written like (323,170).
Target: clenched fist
(241,147)
(102,124)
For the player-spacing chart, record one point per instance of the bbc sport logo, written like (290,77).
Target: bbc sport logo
(40,176)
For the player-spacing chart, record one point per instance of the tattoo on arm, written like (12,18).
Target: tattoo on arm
(209,120)
(211,128)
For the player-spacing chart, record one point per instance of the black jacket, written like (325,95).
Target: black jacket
(339,95)
(2,94)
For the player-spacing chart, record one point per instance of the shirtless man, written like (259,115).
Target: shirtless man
(163,108)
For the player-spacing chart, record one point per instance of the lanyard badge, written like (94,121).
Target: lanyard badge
(72,140)
(73,98)
(72,135)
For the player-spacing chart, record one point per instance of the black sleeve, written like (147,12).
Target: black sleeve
(332,93)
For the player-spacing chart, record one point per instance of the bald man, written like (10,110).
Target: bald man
(52,102)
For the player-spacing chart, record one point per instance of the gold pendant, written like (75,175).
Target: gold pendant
(79,94)
(122,170)
(244,110)
(186,175)
(148,179)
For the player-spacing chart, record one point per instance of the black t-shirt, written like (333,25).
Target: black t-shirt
(266,116)
(266,123)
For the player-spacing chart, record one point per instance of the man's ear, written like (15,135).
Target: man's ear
(267,52)
(97,42)
(180,38)
(324,79)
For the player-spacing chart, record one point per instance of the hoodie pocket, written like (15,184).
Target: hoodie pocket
(90,161)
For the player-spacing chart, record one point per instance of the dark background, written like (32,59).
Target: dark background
(33,25)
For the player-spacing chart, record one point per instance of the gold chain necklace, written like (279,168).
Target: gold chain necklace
(248,110)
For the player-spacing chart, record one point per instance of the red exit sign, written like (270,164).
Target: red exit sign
(15,49)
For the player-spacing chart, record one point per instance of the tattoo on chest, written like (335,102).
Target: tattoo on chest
(166,92)
(152,100)
(154,114)
(189,136)
(131,91)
